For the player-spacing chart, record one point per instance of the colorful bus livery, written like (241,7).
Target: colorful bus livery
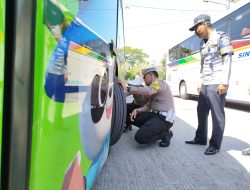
(63,107)
(241,47)
(183,60)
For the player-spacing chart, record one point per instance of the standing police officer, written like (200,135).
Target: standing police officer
(155,118)
(216,60)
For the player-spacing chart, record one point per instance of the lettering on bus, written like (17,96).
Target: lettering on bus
(244,54)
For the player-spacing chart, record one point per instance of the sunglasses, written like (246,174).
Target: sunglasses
(197,26)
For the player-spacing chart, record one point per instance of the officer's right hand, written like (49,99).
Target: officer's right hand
(133,114)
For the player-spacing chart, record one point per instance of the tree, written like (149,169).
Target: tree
(162,72)
(132,62)
(134,56)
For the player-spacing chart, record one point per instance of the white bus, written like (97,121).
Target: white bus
(183,60)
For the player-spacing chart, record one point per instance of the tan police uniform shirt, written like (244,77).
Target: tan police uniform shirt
(161,98)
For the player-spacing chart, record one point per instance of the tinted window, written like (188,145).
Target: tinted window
(221,25)
(173,53)
(189,46)
(240,23)
(100,16)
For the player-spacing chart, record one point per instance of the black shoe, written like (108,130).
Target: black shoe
(211,150)
(127,128)
(165,141)
(196,142)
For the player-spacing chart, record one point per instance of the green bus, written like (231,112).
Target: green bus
(61,106)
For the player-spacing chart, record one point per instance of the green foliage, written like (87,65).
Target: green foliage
(162,72)
(130,75)
(133,60)
(134,56)
(131,63)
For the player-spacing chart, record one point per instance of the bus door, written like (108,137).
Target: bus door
(2,31)
(16,100)
(172,73)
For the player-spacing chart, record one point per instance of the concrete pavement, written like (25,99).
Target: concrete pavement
(180,166)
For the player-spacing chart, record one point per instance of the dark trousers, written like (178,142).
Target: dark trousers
(130,107)
(210,100)
(152,126)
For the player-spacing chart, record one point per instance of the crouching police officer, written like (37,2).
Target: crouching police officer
(155,118)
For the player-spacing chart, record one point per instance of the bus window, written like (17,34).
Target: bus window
(189,46)
(173,54)
(221,25)
(241,20)
(100,16)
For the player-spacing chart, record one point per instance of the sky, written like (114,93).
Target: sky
(156,25)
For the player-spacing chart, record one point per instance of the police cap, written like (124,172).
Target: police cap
(199,19)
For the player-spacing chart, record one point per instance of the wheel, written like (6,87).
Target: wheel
(118,114)
(183,91)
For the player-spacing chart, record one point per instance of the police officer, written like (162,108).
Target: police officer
(216,60)
(155,118)
(138,101)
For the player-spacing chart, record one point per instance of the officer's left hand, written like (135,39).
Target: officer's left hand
(133,114)
(123,83)
(222,88)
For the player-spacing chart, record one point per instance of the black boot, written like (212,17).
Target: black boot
(165,141)
(128,127)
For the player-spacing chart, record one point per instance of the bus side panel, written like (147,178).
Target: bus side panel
(240,78)
(73,95)
(172,79)
(2,31)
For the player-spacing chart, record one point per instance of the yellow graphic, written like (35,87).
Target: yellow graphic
(156,85)
(1,36)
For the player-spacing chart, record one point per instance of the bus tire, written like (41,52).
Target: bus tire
(118,114)
(183,91)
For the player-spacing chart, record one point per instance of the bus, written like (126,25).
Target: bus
(61,106)
(183,60)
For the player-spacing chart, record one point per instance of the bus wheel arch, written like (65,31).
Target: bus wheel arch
(183,90)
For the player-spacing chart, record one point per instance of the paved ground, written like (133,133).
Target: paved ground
(180,166)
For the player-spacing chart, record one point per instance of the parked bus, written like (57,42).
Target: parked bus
(61,107)
(183,60)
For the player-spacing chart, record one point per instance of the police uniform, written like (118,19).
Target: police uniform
(157,116)
(216,59)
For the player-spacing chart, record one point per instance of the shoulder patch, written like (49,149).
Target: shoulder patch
(156,85)
(225,44)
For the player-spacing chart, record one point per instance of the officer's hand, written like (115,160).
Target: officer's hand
(133,114)
(222,88)
(198,88)
(124,84)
